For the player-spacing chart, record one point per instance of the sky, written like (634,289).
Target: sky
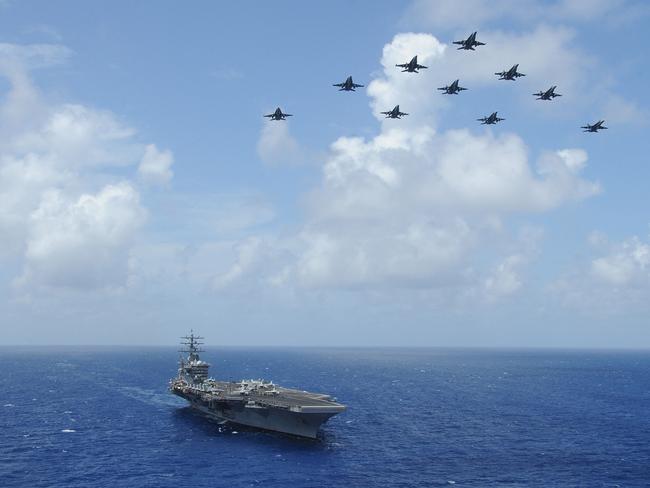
(143,194)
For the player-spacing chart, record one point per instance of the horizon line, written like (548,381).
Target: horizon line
(350,346)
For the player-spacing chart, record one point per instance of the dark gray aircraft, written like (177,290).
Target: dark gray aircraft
(394,114)
(412,66)
(347,85)
(491,119)
(511,74)
(548,94)
(594,127)
(452,89)
(278,115)
(470,43)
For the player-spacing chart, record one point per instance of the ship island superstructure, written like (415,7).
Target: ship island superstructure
(255,403)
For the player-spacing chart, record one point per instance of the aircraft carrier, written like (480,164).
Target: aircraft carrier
(254,403)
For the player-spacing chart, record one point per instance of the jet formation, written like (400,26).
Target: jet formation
(347,85)
(470,43)
(512,74)
(278,115)
(412,66)
(394,114)
(454,88)
(547,95)
(594,127)
(490,119)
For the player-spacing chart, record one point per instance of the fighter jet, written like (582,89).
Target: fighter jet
(394,114)
(470,43)
(511,74)
(278,115)
(594,127)
(491,119)
(452,89)
(548,94)
(347,85)
(412,66)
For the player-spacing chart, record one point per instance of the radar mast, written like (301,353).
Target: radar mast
(192,368)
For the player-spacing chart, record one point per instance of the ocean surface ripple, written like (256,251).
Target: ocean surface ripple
(100,417)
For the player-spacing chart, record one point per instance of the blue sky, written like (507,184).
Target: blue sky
(143,193)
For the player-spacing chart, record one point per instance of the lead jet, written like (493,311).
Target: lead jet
(511,74)
(548,94)
(470,43)
(278,115)
(452,89)
(412,66)
(594,127)
(394,114)
(347,85)
(491,119)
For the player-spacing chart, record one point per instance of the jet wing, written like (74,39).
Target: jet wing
(355,85)
(338,84)
(459,42)
(402,65)
(419,66)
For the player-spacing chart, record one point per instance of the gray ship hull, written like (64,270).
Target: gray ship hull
(303,423)
(254,403)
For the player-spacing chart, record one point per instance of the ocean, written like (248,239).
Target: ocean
(102,417)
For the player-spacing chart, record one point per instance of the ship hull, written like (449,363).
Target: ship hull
(302,424)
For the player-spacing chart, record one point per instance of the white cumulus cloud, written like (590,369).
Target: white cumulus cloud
(276,145)
(82,243)
(155,166)
(66,219)
(412,207)
(614,280)
(627,264)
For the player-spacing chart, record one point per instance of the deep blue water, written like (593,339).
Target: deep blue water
(417,417)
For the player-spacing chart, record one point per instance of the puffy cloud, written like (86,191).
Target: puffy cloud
(411,92)
(627,264)
(549,53)
(248,254)
(82,243)
(506,277)
(414,207)
(155,166)
(505,280)
(277,146)
(74,136)
(614,280)
(414,254)
(65,217)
